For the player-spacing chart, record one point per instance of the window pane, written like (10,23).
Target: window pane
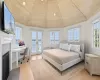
(39,41)
(18,33)
(97,34)
(51,35)
(76,34)
(33,41)
(70,35)
(54,37)
(57,36)
(39,36)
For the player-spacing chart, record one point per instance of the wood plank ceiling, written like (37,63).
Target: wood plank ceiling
(52,13)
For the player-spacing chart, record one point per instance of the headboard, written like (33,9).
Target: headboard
(78,43)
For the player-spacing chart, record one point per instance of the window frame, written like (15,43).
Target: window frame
(73,34)
(37,40)
(54,37)
(93,41)
(20,33)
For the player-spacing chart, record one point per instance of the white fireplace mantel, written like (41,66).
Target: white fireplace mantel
(8,43)
(4,40)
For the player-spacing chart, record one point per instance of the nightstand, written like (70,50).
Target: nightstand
(92,64)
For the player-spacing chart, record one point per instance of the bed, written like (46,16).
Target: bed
(62,59)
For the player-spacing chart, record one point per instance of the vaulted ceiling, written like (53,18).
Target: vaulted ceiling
(52,13)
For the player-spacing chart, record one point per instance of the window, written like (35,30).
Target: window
(74,34)
(96,34)
(18,33)
(54,37)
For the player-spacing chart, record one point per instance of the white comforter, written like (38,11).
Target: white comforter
(61,56)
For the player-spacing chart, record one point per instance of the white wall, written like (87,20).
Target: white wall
(86,33)
(27,34)
(90,34)
(46,36)
(82,32)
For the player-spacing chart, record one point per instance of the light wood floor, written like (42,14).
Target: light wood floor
(26,72)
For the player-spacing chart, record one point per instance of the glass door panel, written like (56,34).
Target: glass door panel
(34,42)
(39,42)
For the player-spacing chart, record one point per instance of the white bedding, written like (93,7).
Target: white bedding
(61,56)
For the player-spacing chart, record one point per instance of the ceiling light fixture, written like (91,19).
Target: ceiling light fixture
(54,14)
(41,0)
(24,3)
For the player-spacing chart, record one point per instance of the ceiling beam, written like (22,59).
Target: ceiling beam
(60,13)
(78,9)
(31,12)
(46,14)
(22,6)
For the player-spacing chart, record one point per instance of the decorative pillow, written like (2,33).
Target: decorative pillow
(61,45)
(66,47)
(74,47)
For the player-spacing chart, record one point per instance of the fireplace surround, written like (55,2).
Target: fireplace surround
(5,66)
(5,50)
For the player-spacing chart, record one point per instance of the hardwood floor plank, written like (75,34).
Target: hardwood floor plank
(26,72)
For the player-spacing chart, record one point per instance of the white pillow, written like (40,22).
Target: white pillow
(74,47)
(61,45)
(66,47)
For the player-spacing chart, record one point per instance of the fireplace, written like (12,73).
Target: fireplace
(5,66)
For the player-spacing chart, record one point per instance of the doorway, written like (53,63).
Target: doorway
(37,42)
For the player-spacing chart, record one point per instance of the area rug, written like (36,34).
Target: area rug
(42,70)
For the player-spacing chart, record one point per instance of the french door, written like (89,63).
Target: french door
(37,42)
